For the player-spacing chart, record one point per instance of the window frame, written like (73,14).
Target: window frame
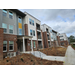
(18,20)
(4,28)
(13,46)
(33,32)
(6,47)
(30,32)
(11,29)
(4,12)
(10,14)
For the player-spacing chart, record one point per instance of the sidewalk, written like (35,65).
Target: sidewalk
(69,56)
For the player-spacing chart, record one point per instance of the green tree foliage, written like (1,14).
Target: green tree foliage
(71,38)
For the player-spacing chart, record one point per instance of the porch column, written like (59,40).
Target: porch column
(32,45)
(23,45)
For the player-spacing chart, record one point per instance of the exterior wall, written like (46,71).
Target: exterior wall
(9,21)
(58,39)
(45,40)
(8,37)
(26,29)
(1,44)
(65,43)
(42,39)
(31,26)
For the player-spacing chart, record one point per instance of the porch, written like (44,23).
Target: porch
(24,43)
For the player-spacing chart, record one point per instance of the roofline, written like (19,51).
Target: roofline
(18,12)
(46,25)
(32,16)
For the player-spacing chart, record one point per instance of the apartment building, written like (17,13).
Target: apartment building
(23,32)
(46,35)
(32,28)
(63,39)
(12,33)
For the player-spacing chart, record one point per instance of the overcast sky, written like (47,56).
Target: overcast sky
(61,20)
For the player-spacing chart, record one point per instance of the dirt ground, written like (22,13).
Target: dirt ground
(28,59)
(54,51)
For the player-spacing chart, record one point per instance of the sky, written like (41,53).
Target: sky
(61,20)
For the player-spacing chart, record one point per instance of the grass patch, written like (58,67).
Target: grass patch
(73,46)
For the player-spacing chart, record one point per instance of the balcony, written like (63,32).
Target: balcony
(48,37)
(37,26)
(47,30)
(39,37)
(39,46)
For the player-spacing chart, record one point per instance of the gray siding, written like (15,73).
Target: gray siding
(13,22)
(0,18)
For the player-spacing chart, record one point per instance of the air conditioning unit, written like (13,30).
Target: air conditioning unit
(11,54)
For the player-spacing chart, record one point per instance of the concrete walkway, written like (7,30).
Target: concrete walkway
(44,56)
(69,56)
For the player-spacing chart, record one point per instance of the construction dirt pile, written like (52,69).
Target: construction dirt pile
(54,51)
(28,59)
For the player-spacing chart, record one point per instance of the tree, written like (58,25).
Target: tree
(71,38)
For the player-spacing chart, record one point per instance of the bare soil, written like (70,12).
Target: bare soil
(28,59)
(54,51)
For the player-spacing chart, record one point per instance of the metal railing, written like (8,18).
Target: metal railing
(40,46)
(38,28)
(39,37)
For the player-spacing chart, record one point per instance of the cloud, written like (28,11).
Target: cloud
(61,20)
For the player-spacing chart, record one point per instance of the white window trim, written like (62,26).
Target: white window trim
(13,47)
(6,49)
(11,29)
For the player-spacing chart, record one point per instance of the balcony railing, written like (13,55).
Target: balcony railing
(39,37)
(48,38)
(38,28)
(39,46)
(49,45)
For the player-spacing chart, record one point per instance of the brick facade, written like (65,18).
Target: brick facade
(58,39)
(45,40)
(26,29)
(9,37)
(1,44)
(64,43)
(42,38)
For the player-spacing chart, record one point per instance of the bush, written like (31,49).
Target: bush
(73,46)
(22,59)
(7,60)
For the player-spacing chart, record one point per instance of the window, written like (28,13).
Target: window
(31,22)
(51,31)
(61,39)
(4,12)
(11,45)
(20,31)
(19,20)
(10,29)
(33,33)
(34,44)
(5,27)
(60,36)
(10,15)
(30,32)
(4,46)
